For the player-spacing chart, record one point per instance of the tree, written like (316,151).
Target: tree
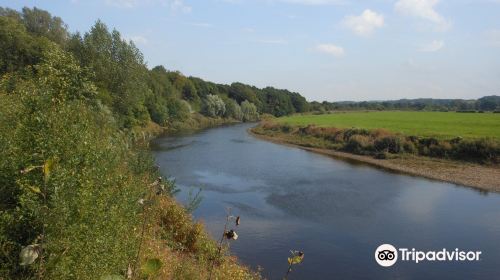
(299,102)
(241,92)
(178,110)
(17,48)
(249,111)
(488,103)
(120,72)
(213,106)
(233,110)
(278,102)
(41,23)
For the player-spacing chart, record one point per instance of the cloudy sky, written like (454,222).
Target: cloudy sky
(325,49)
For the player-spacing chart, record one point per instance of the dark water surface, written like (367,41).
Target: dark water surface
(336,212)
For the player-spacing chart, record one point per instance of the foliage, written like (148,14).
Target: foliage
(214,106)
(81,206)
(249,112)
(17,48)
(487,103)
(151,267)
(233,110)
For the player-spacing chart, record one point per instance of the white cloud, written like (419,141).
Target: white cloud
(433,46)
(174,5)
(365,23)
(137,39)
(330,49)
(423,9)
(178,5)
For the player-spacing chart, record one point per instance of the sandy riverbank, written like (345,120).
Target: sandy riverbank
(481,177)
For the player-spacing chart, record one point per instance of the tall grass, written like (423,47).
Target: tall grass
(381,143)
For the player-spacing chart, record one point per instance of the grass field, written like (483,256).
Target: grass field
(438,124)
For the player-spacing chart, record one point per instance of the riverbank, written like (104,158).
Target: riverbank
(481,177)
(171,235)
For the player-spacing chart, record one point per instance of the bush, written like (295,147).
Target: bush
(391,144)
(359,144)
(409,147)
(178,110)
(286,128)
(484,150)
(380,142)
(355,131)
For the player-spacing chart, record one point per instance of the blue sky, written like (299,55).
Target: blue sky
(325,49)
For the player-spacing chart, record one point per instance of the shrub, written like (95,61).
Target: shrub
(428,141)
(483,150)
(286,128)
(355,131)
(391,144)
(442,149)
(409,147)
(359,144)
(178,110)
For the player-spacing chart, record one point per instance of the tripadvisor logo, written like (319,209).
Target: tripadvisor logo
(387,255)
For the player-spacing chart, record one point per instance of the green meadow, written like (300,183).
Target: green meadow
(437,124)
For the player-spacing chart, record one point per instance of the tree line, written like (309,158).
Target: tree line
(124,83)
(486,103)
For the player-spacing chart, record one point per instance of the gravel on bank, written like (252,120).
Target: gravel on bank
(481,177)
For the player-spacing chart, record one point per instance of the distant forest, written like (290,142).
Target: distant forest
(487,103)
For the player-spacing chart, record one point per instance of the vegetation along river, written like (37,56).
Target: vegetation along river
(338,213)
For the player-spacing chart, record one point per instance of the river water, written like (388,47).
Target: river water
(337,212)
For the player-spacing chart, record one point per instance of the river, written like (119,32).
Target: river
(337,212)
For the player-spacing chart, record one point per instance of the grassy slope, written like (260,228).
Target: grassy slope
(438,124)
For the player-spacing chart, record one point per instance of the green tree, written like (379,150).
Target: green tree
(249,111)
(42,23)
(17,48)
(214,106)
(278,102)
(233,110)
(120,72)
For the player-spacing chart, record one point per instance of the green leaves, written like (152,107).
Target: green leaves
(151,267)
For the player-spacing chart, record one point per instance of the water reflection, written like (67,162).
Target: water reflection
(337,212)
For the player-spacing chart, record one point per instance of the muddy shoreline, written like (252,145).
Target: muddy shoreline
(479,177)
